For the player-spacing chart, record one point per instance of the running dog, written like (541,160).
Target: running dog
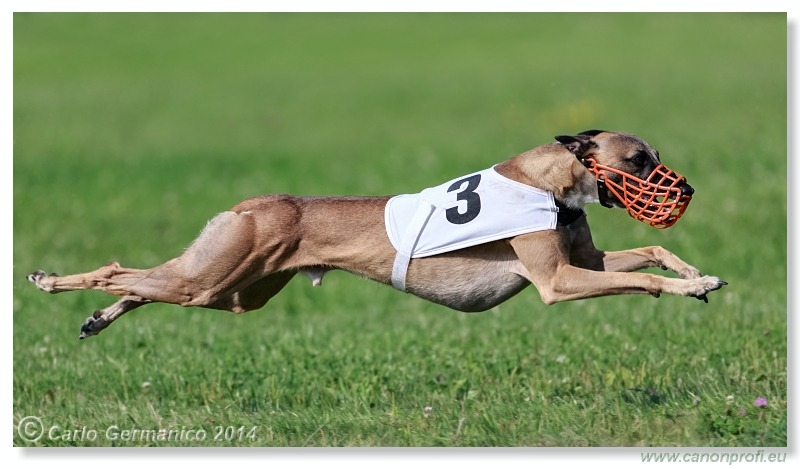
(468,244)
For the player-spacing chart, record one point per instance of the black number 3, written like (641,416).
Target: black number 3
(468,194)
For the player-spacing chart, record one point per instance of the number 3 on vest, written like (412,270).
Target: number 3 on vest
(468,195)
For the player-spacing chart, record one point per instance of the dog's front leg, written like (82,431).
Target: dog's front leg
(102,318)
(584,254)
(632,260)
(545,258)
(575,283)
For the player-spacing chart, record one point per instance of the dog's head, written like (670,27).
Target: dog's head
(630,175)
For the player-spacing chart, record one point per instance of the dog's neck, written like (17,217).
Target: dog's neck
(553,168)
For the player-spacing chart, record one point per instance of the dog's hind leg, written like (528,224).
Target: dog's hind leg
(236,250)
(255,295)
(226,257)
(103,317)
(94,280)
(249,298)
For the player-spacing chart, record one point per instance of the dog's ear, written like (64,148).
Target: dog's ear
(578,145)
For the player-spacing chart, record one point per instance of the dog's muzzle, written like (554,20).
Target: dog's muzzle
(659,201)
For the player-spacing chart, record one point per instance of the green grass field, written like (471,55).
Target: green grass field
(132,130)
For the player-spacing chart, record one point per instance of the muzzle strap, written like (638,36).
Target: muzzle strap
(602,192)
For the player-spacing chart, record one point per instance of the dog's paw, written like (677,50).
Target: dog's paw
(38,278)
(93,325)
(35,276)
(703,285)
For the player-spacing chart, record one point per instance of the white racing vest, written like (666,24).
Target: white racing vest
(466,211)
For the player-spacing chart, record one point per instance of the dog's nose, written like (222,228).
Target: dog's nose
(686,189)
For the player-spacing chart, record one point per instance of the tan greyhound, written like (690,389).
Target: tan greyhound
(246,255)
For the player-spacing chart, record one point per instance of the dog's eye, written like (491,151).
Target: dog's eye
(639,158)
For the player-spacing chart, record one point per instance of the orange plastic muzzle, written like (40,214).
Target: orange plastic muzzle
(659,201)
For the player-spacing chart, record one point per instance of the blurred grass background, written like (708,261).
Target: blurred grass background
(132,130)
